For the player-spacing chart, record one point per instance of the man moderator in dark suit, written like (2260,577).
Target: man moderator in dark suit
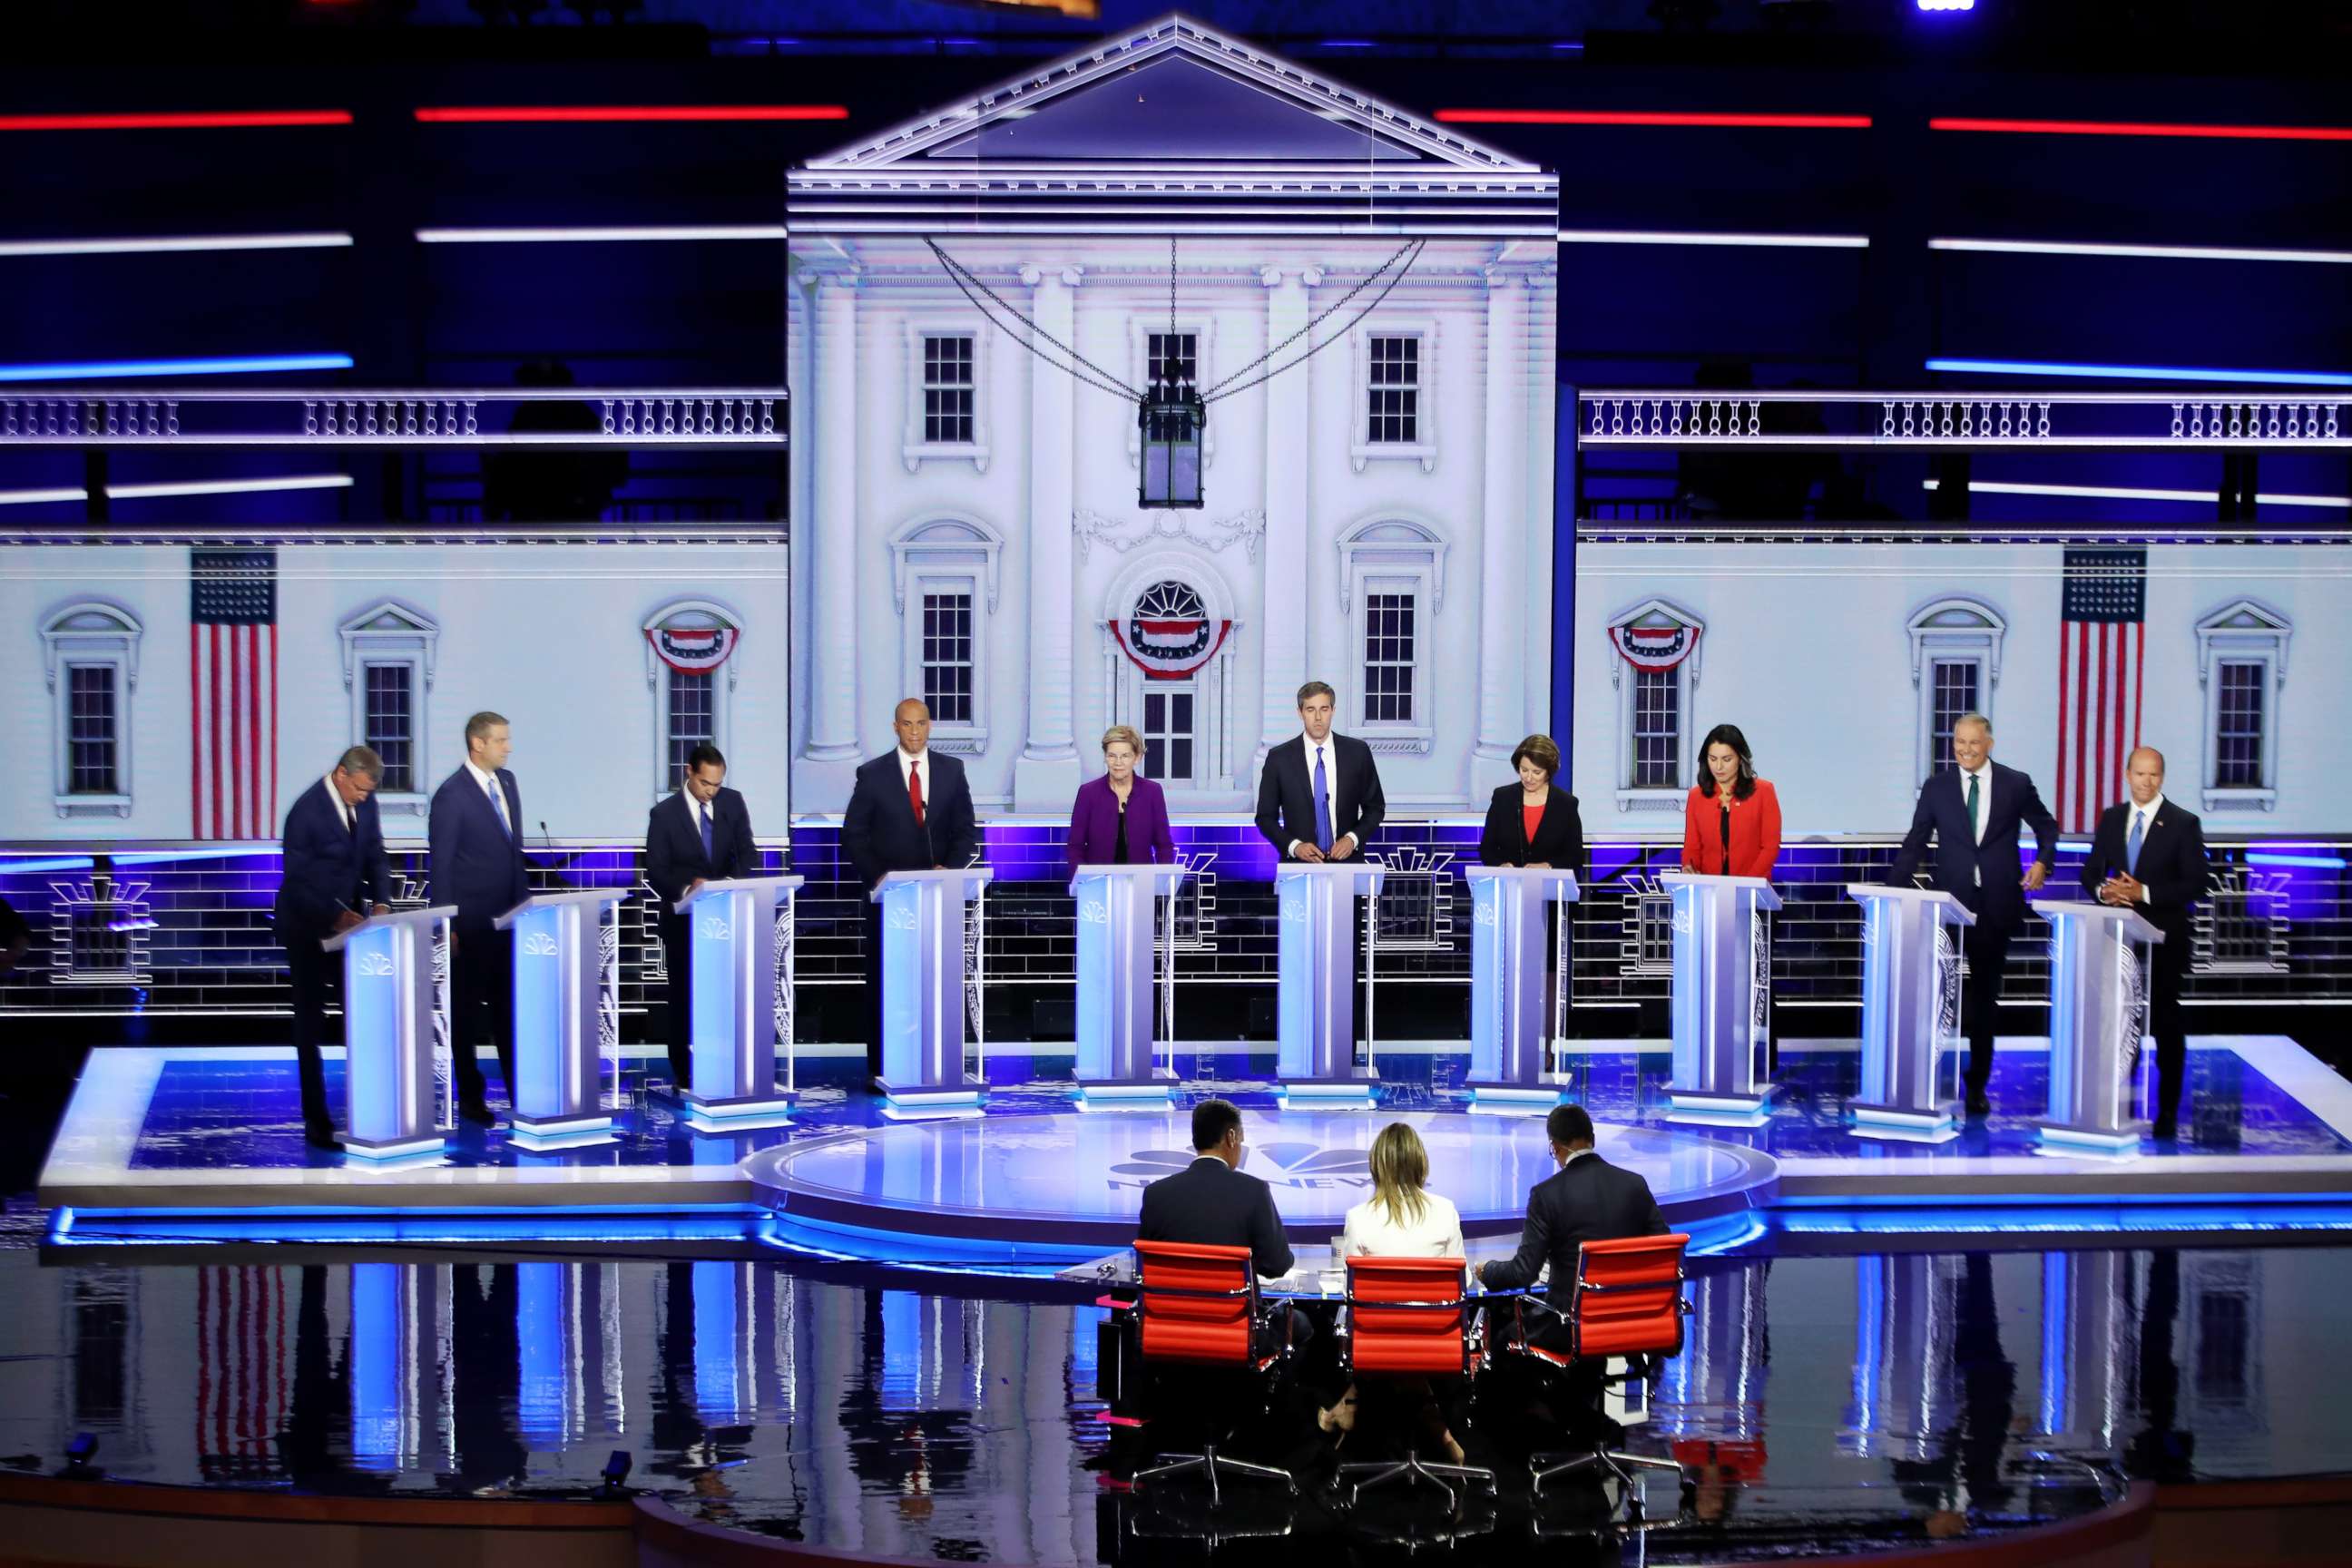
(1975,809)
(908,811)
(476,833)
(701,834)
(1210,1203)
(1587,1199)
(2149,856)
(333,876)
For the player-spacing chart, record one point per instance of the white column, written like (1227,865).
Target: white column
(832,641)
(1503,650)
(1046,775)
(1287,400)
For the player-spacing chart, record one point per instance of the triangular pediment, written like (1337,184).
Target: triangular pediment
(1173,92)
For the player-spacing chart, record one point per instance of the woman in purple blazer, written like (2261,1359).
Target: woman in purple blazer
(1121,816)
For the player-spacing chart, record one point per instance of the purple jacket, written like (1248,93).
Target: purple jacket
(1094,824)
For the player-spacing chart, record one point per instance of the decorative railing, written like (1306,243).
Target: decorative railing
(556,419)
(1945,420)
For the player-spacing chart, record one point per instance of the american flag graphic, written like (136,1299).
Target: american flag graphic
(2102,655)
(233,700)
(243,1366)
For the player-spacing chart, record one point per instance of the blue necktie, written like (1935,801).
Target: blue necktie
(702,815)
(1322,805)
(2131,845)
(498,804)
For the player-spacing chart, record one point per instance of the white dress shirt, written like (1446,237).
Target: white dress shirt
(1370,1233)
(1330,755)
(350,823)
(907,766)
(1984,805)
(488,784)
(2146,817)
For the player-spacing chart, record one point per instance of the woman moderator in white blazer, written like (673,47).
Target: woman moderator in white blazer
(1403,1219)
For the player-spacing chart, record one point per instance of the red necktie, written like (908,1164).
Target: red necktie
(915,791)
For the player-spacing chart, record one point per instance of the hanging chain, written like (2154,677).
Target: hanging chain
(1226,388)
(1170,347)
(967,281)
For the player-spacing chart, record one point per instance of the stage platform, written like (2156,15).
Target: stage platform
(191,1143)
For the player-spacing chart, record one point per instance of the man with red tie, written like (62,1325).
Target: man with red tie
(908,811)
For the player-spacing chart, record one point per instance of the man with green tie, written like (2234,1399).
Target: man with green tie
(1974,809)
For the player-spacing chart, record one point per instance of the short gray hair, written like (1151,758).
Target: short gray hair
(1972,718)
(361,760)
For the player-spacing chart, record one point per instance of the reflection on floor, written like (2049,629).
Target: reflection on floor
(1842,1401)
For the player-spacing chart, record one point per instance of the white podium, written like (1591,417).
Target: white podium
(1315,1064)
(2099,957)
(389,1000)
(1910,1008)
(740,950)
(1118,907)
(559,989)
(1722,998)
(923,1068)
(1512,1021)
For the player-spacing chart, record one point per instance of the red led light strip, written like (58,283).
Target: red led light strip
(2137,128)
(583,114)
(199,121)
(1628,117)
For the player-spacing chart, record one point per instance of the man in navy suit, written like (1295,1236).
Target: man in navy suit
(476,831)
(333,866)
(1586,1199)
(908,811)
(2149,856)
(701,834)
(1975,809)
(1318,798)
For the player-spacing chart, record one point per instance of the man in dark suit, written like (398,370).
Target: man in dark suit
(2149,856)
(1211,1203)
(908,811)
(701,834)
(1587,1199)
(1975,809)
(1318,797)
(476,833)
(333,866)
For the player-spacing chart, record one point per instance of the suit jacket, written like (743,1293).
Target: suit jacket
(1559,832)
(1210,1203)
(1998,897)
(1094,824)
(1588,1199)
(2171,862)
(1285,794)
(326,869)
(879,833)
(477,865)
(1755,832)
(674,855)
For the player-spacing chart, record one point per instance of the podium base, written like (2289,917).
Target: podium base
(423,1147)
(919,1102)
(1122,1093)
(2061,1138)
(1490,1098)
(1326,1093)
(1904,1124)
(739,1113)
(1711,1108)
(544,1132)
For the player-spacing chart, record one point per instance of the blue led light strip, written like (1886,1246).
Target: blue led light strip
(103,370)
(2140,371)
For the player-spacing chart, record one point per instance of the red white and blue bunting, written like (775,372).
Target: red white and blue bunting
(1655,648)
(696,650)
(1169,647)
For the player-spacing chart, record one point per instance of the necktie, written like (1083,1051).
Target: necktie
(498,803)
(2131,845)
(702,814)
(915,790)
(1975,829)
(351,824)
(1322,805)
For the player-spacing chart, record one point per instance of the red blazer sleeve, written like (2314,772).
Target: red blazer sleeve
(1694,847)
(1764,822)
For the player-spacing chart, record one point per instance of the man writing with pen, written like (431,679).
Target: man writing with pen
(334,867)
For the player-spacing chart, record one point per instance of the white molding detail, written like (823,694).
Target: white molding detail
(914,450)
(389,632)
(1362,452)
(2244,631)
(944,539)
(1955,629)
(948,549)
(1652,612)
(1091,528)
(1391,551)
(1212,685)
(689,615)
(90,632)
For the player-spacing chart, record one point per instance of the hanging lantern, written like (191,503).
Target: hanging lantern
(1171,415)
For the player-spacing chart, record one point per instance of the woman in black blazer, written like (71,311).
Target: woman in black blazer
(1532,823)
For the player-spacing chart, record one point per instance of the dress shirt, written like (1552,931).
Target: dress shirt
(1330,755)
(351,824)
(907,772)
(2145,815)
(1983,776)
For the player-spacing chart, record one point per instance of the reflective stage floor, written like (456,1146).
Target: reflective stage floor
(205,1143)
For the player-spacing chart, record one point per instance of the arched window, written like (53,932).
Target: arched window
(689,664)
(1955,668)
(90,659)
(1654,664)
(943,579)
(388,655)
(2242,664)
(1392,585)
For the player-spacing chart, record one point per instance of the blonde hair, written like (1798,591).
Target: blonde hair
(1400,1170)
(1124,733)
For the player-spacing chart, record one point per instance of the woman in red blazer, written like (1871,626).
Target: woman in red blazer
(1731,824)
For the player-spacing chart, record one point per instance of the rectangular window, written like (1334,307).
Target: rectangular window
(90,734)
(2237,728)
(693,714)
(1173,356)
(1657,729)
(1393,397)
(1389,641)
(947,391)
(1167,734)
(947,654)
(1956,694)
(391,728)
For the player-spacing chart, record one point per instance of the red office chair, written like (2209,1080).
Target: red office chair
(1629,1303)
(1198,1306)
(1407,1318)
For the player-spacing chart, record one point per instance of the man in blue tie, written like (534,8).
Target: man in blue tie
(476,835)
(1318,797)
(2149,855)
(701,834)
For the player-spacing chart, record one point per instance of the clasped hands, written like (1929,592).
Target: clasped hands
(1341,848)
(2122,889)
